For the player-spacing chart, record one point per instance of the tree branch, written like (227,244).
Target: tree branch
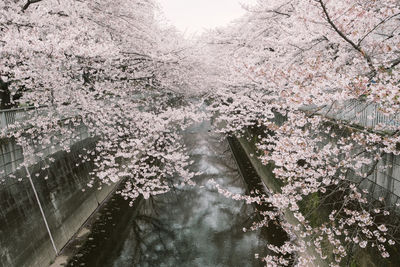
(395,63)
(26,6)
(278,13)
(356,47)
(375,27)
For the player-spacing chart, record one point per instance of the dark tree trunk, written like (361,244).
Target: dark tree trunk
(5,95)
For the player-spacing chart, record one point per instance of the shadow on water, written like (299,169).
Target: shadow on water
(189,226)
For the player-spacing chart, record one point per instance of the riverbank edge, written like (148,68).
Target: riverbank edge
(267,178)
(82,233)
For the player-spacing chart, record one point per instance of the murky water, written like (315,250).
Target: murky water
(190,226)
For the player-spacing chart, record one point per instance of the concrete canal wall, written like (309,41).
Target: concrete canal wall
(267,177)
(24,239)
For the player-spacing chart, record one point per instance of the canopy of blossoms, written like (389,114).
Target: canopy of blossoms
(292,67)
(282,72)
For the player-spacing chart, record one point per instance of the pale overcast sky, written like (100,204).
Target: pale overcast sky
(196,15)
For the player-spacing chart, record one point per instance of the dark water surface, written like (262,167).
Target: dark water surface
(189,226)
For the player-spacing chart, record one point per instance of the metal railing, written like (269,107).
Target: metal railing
(8,117)
(11,155)
(367,115)
(384,181)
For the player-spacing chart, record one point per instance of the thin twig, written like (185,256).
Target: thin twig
(376,26)
(356,47)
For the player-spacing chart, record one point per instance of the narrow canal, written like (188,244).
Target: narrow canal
(190,226)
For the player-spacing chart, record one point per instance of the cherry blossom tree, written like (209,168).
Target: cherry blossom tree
(291,63)
(277,73)
(106,66)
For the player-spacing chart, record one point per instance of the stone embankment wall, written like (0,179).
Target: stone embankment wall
(24,239)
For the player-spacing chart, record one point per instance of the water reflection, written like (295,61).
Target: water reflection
(195,226)
(192,225)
